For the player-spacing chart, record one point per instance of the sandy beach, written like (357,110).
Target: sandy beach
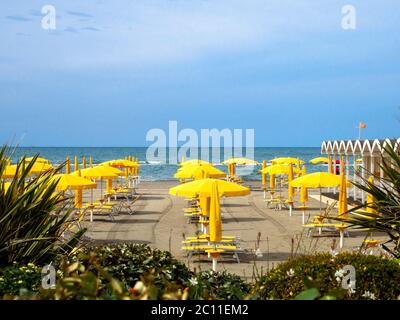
(159,221)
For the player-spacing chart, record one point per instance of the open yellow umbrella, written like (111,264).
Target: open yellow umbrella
(111,169)
(317,180)
(319,160)
(278,169)
(9,172)
(292,161)
(38,160)
(194,162)
(121,163)
(203,188)
(198,171)
(240,161)
(6,186)
(73,182)
(38,168)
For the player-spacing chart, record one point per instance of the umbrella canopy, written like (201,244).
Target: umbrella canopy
(193,162)
(319,160)
(98,172)
(121,163)
(241,161)
(215,214)
(278,169)
(38,160)
(6,186)
(11,171)
(198,172)
(317,180)
(203,188)
(294,161)
(111,169)
(69,181)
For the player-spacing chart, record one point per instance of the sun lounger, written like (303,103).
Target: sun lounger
(201,249)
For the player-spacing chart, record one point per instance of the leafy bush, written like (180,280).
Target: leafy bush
(20,280)
(128,262)
(376,277)
(211,285)
(33,219)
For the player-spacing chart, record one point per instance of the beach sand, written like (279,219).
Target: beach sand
(159,222)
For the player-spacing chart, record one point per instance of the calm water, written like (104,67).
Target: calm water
(156,170)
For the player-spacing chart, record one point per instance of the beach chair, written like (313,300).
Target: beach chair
(128,205)
(201,249)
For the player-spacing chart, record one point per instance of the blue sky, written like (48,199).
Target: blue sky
(112,70)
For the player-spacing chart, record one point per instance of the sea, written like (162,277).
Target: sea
(156,167)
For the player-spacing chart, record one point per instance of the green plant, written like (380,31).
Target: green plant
(376,275)
(128,262)
(20,280)
(386,205)
(211,285)
(33,219)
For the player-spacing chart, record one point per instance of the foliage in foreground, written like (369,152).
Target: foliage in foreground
(32,218)
(376,277)
(158,276)
(386,205)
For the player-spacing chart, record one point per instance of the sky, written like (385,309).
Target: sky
(113,70)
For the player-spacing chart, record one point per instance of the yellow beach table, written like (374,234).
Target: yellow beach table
(317,180)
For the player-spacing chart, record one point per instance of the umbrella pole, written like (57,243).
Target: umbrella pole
(214,264)
(320,199)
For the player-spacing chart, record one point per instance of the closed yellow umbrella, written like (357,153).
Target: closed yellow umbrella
(272,181)
(370,198)
(304,195)
(330,167)
(319,160)
(203,188)
(205,205)
(292,161)
(78,201)
(290,187)
(215,215)
(68,166)
(109,185)
(76,164)
(91,162)
(84,162)
(343,205)
(264,175)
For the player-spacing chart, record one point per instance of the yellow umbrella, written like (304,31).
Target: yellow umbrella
(215,215)
(319,160)
(330,167)
(294,161)
(40,167)
(6,186)
(272,181)
(68,166)
(317,180)
(203,188)
(198,171)
(91,162)
(121,163)
(78,201)
(264,175)
(76,164)
(343,206)
(240,161)
(38,160)
(84,162)
(9,172)
(69,181)
(370,198)
(193,161)
(98,172)
(290,187)
(111,169)
(204,205)
(279,169)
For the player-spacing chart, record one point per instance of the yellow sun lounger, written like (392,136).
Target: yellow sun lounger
(201,249)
